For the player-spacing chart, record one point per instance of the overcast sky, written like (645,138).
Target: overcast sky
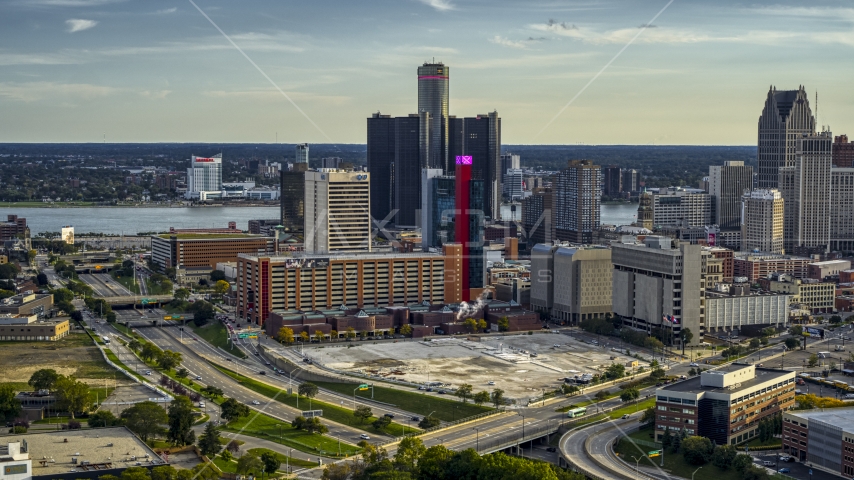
(159,71)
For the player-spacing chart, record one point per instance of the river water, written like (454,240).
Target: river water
(131,220)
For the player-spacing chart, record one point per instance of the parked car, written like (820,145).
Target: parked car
(784,470)
(768,463)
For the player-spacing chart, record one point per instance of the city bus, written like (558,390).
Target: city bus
(576,412)
(106,339)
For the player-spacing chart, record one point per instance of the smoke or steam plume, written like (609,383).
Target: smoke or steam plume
(467,309)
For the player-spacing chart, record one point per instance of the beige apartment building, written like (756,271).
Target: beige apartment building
(337,211)
(762,221)
(818,296)
(571,283)
(805,189)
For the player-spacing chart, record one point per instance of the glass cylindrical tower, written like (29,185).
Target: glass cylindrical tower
(433,99)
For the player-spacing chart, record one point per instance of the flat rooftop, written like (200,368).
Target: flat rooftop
(340,256)
(208,236)
(692,385)
(115,445)
(839,417)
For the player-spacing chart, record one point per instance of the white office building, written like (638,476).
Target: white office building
(204,178)
(337,211)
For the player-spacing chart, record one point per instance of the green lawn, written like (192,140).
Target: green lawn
(415,401)
(268,428)
(49,420)
(113,358)
(632,408)
(767,443)
(216,334)
(294,462)
(335,413)
(126,282)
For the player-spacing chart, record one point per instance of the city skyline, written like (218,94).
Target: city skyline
(79,70)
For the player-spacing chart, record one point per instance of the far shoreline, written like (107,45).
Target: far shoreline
(141,205)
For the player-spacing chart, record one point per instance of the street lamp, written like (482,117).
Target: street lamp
(477,439)
(637,461)
(288,461)
(695,471)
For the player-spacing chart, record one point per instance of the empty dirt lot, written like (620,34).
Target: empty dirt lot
(505,360)
(73,355)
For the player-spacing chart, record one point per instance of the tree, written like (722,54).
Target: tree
(134,345)
(333,335)
(209,440)
(697,450)
(497,397)
(103,418)
(308,389)
(285,335)
(43,379)
(686,335)
(182,373)
(648,417)
(217,275)
(481,397)
(110,317)
(464,391)
(741,462)
(318,335)
(169,359)
(41,279)
(212,391)
(250,464)
(723,456)
(615,371)
(203,312)
(629,394)
(135,473)
(657,374)
(813,360)
(381,422)
(271,462)
(481,325)
(755,472)
(350,332)
(150,351)
(796,330)
(409,450)
(164,472)
(221,287)
(362,413)
(754,343)
(666,439)
(304,336)
(181,422)
(232,410)
(429,422)
(470,324)
(182,294)
(792,343)
(406,329)
(10,407)
(145,419)
(71,395)
(503,324)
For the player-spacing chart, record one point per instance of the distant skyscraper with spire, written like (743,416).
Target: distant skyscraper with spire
(785,118)
(433,100)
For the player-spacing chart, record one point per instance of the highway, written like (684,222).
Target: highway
(104,285)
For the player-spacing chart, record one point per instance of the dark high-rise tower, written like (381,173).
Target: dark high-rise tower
(292,198)
(785,118)
(408,162)
(381,164)
(433,99)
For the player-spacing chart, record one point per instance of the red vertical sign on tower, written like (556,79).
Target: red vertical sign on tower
(462,201)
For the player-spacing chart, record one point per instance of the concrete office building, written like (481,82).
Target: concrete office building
(815,295)
(508,161)
(842,211)
(331,162)
(204,178)
(828,268)
(805,187)
(727,184)
(823,439)
(433,100)
(657,279)
(571,283)
(538,216)
(203,251)
(724,405)
(27,304)
(28,328)
(337,211)
(762,221)
(612,181)
(754,266)
(577,196)
(301,153)
(688,207)
(843,152)
(785,117)
(307,281)
(734,307)
(513,184)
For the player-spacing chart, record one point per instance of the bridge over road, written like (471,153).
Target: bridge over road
(139,300)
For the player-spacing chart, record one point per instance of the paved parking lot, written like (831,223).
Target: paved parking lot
(796,470)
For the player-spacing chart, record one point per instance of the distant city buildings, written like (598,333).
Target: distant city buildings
(688,207)
(577,197)
(337,211)
(727,184)
(538,216)
(292,198)
(843,152)
(514,184)
(437,208)
(508,161)
(762,221)
(805,187)
(204,178)
(785,118)
(612,181)
(301,153)
(14,227)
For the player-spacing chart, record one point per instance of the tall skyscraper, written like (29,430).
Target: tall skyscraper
(612,181)
(204,177)
(513,184)
(577,197)
(806,188)
(842,213)
(437,208)
(481,140)
(292,198)
(538,216)
(433,99)
(381,165)
(843,152)
(337,211)
(727,184)
(408,162)
(468,226)
(762,221)
(785,118)
(631,180)
(301,153)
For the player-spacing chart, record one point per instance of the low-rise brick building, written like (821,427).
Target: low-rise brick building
(822,438)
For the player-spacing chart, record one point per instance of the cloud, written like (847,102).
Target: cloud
(552,23)
(499,40)
(78,25)
(440,5)
(269,95)
(35,91)
(167,10)
(7,59)
(157,94)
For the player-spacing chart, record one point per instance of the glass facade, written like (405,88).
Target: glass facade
(477,267)
(441,211)
(433,99)
(292,199)
(407,172)
(381,164)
